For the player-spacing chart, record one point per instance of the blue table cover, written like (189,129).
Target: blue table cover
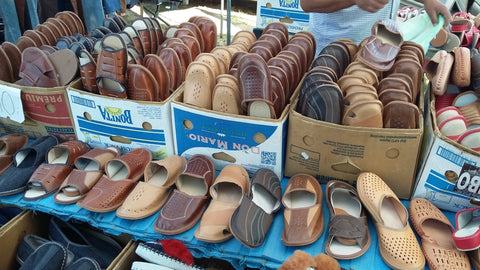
(268,256)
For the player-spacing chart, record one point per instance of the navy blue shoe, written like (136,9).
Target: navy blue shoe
(25,161)
(84,242)
(48,256)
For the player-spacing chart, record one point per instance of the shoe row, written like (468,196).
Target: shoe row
(185,192)
(69,246)
(103,181)
(265,89)
(141,62)
(208,82)
(45,35)
(459,120)
(342,89)
(90,42)
(264,73)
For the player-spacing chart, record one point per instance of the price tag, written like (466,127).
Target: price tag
(11,103)
(468,182)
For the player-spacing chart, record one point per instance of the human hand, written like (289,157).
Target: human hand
(434,8)
(371,5)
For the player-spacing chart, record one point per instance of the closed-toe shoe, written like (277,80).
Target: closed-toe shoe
(199,85)
(197,33)
(149,195)
(255,84)
(193,45)
(364,114)
(398,244)
(468,103)
(438,71)
(302,201)
(470,139)
(9,144)
(173,64)
(14,56)
(227,192)
(50,255)
(25,161)
(382,47)
(401,114)
(159,71)
(467,229)
(121,176)
(185,206)
(324,105)
(251,220)
(209,32)
(435,231)
(30,243)
(142,85)
(84,242)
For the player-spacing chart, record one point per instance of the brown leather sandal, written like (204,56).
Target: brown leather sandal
(348,236)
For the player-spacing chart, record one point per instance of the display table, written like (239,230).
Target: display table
(268,256)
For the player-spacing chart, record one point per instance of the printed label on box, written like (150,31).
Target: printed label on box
(468,182)
(288,12)
(103,122)
(250,143)
(450,178)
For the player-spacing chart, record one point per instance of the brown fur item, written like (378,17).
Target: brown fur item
(323,261)
(301,260)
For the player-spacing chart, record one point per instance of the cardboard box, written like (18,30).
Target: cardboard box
(448,176)
(35,111)
(13,232)
(331,151)
(30,222)
(288,12)
(125,259)
(103,121)
(247,141)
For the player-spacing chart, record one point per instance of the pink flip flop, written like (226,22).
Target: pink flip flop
(453,127)
(470,139)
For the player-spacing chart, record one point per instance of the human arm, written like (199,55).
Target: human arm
(434,8)
(327,6)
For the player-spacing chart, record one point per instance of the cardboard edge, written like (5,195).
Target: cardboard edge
(178,101)
(125,259)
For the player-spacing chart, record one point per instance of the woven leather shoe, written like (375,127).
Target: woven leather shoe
(141,83)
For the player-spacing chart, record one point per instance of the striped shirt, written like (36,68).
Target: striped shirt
(352,23)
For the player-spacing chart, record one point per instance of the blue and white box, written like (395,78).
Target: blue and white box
(449,174)
(288,12)
(251,142)
(103,121)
